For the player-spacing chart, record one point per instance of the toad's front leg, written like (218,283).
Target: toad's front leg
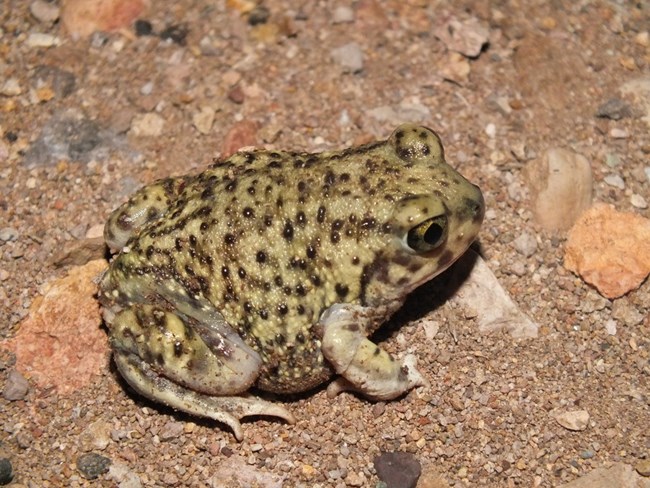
(364,366)
(190,366)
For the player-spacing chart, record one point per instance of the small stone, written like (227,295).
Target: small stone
(614,109)
(96,436)
(8,234)
(615,181)
(69,136)
(626,313)
(643,467)
(612,160)
(175,33)
(518,268)
(610,327)
(236,94)
(638,201)
(575,420)
(42,94)
(259,15)
(342,15)
(617,133)
(16,387)
(378,409)
(616,475)
(10,88)
(147,125)
(398,469)
(62,82)
(628,62)
(384,113)
(638,89)
(561,187)
(123,476)
(147,88)
(38,39)
(355,479)
(45,12)
(466,37)
(142,28)
(204,119)
(642,39)
(414,110)
(171,430)
(92,465)
(6,471)
(548,23)
(587,454)
(454,67)
(349,57)
(525,244)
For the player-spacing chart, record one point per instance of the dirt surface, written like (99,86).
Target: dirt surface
(85,122)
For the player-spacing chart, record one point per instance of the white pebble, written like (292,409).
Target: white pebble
(638,201)
(149,124)
(44,11)
(491,130)
(204,119)
(147,88)
(11,88)
(575,420)
(615,181)
(646,170)
(525,244)
(610,327)
(343,14)
(490,214)
(618,133)
(349,56)
(38,39)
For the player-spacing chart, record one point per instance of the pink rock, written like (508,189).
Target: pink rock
(83,17)
(60,343)
(609,250)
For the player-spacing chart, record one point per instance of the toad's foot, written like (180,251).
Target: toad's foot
(227,409)
(364,366)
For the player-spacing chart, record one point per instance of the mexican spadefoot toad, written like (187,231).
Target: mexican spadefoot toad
(270,270)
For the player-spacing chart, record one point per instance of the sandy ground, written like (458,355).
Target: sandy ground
(146,108)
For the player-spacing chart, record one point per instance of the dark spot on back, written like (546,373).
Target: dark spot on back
(287,232)
(341,290)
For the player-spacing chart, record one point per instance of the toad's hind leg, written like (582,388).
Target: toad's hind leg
(190,367)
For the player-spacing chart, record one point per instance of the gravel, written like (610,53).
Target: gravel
(486,418)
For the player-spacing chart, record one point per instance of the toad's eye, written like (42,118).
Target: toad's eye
(428,235)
